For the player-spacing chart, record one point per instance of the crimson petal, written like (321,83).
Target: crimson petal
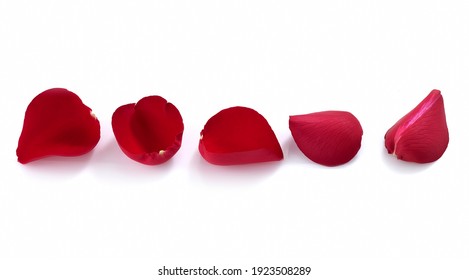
(149,131)
(329,138)
(57,123)
(238,135)
(422,135)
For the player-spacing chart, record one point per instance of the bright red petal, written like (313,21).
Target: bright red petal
(57,123)
(422,135)
(329,138)
(149,131)
(238,135)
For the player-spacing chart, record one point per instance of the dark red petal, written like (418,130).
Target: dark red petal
(422,135)
(329,138)
(238,135)
(149,131)
(57,123)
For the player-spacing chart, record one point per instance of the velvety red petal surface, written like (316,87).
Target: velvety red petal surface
(150,131)
(238,135)
(57,123)
(422,135)
(329,138)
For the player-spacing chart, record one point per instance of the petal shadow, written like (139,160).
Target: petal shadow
(242,175)
(111,162)
(403,167)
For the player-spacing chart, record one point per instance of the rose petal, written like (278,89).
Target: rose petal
(422,135)
(238,135)
(57,123)
(329,138)
(150,131)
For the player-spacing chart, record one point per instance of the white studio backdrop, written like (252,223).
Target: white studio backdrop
(104,216)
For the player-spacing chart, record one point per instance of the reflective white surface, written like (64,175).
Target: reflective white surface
(61,217)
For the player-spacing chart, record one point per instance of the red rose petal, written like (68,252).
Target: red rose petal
(238,135)
(149,131)
(329,138)
(57,123)
(422,135)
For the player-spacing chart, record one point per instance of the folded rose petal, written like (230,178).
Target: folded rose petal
(149,131)
(57,123)
(238,135)
(422,135)
(329,138)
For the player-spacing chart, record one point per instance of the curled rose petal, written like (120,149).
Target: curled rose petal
(329,138)
(149,131)
(422,135)
(238,135)
(57,123)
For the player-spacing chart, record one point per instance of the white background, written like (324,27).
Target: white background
(104,216)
